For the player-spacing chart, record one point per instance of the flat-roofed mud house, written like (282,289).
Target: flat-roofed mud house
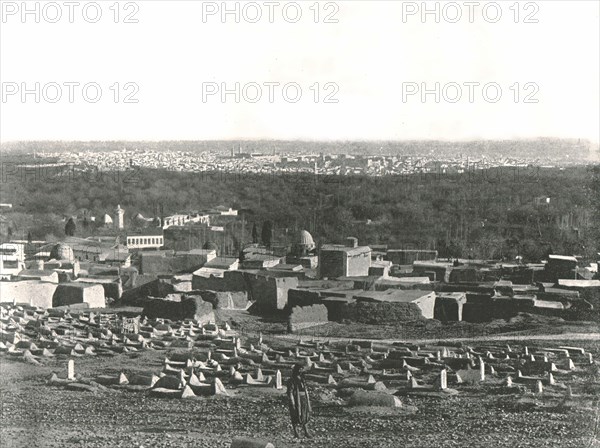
(349,260)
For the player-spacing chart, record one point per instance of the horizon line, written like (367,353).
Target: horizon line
(308,140)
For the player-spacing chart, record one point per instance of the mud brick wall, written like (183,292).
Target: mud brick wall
(303,297)
(138,296)
(378,313)
(447,309)
(235,300)
(307,316)
(231,281)
(184,263)
(30,292)
(442,273)
(189,308)
(72,293)
(271,293)
(409,256)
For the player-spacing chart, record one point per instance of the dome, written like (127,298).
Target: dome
(62,252)
(305,239)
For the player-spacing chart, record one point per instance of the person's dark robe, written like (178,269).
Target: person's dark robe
(298,401)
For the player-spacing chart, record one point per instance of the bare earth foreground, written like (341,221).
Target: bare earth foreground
(35,414)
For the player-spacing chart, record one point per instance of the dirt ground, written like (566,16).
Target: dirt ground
(34,414)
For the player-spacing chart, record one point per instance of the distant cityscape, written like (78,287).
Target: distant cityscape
(241,160)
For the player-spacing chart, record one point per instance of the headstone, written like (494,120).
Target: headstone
(570,365)
(539,388)
(481,371)
(187,392)
(218,388)
(278,380)
(442,381)
(569,392)
(412,383)
(71,370)
(590,358)
(370,379)
(181,376)
(551,379)
(508,382)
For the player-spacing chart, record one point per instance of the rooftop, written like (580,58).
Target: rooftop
(150,231)
(347,249)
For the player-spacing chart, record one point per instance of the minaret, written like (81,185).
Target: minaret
(119,215)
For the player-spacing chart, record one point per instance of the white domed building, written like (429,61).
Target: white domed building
(62,251)
(302,252)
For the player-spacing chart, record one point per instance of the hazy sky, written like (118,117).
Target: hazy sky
(374,62)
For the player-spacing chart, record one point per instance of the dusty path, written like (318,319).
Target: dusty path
(594,337)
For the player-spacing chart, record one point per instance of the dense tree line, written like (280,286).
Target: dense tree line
(490,213)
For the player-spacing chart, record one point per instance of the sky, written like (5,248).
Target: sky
(346,70)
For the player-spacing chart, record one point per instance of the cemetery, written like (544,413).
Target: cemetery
(117,380)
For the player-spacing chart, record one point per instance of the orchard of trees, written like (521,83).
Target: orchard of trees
(487,215)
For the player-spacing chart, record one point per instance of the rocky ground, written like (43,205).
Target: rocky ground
(37,415)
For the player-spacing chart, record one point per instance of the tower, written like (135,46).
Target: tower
(119,215)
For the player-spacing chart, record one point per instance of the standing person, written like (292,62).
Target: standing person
(299,401)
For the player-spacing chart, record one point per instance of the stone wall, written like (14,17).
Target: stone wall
(306,317)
